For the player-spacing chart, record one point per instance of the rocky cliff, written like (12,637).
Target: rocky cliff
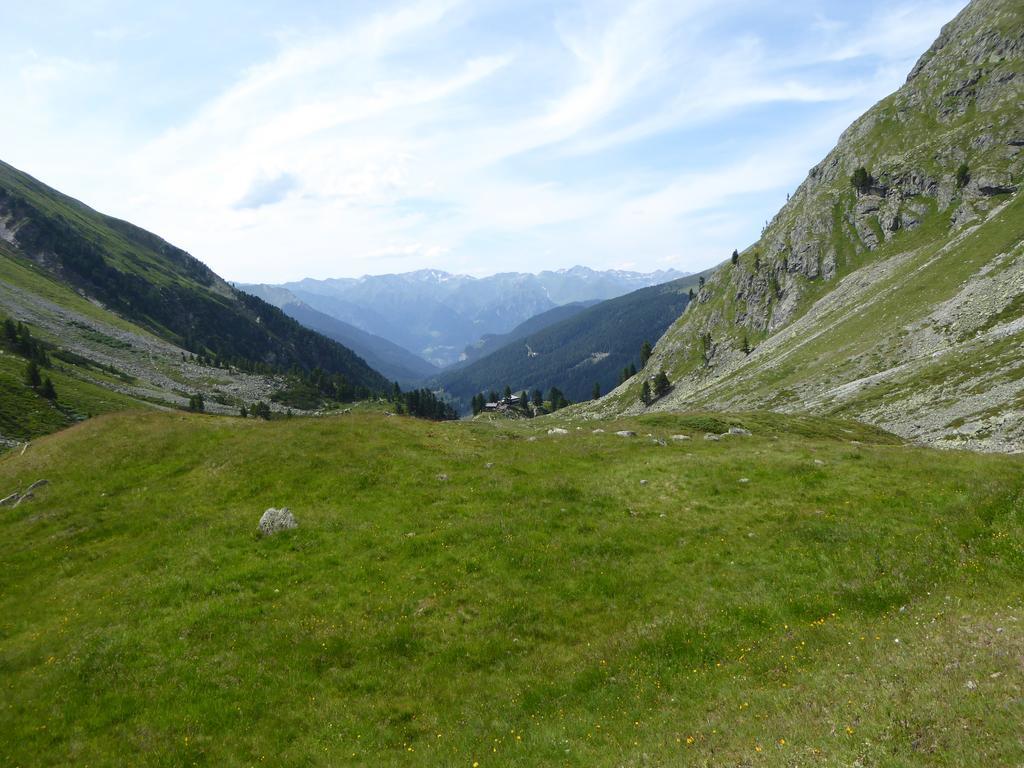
(890,287)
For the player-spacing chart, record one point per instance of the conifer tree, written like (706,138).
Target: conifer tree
(645,393)
(596,393)
(32,377)
(47,389)
(645,353)
(661,384)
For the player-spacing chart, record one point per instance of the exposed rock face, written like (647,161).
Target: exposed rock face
(833,309)
(274,520)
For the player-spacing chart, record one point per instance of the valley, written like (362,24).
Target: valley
(771,513)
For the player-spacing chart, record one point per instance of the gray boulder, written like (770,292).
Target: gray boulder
(680,438)
(739,431)
(275,520)
(558,431)
(710,436)
(626,433)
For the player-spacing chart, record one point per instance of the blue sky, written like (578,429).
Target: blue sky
(330,139)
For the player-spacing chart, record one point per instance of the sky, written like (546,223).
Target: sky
(322,139)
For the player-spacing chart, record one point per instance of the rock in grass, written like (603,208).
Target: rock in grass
(680,438)
(739,431)
(710,436)
(275,520)
(598,432)
(558,431)
(626,433)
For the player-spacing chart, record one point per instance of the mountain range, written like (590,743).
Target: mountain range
(591,346)
(437,315)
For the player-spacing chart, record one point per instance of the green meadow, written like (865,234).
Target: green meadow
(485,594)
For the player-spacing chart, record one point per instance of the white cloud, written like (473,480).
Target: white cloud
(405,141)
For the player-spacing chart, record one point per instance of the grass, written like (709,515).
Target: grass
(25,414)
(549,609)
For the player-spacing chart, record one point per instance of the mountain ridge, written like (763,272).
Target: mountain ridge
(392,361)
(437,314)
(880,290)
(593,346)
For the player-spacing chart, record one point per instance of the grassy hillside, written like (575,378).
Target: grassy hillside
(461,594)
(591,346)
(897,302)
(158,287)
(495,341)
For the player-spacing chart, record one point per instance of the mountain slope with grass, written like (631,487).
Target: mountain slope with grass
(392,361)
(889,288)
(485,593)
(130,321)
(592,346)
(493,342)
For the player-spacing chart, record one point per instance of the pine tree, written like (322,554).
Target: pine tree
(645,353)
(707,347)
(596,394)
(632,370)
(196,403)
(661,384)
(735,257)
(746,345)
(508,392)
(538,398)
(645,393)
(558,400)
(524,400)
(963,175)
(47,389)
(243,412)
(691,294)
(861,179)
(32,377)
